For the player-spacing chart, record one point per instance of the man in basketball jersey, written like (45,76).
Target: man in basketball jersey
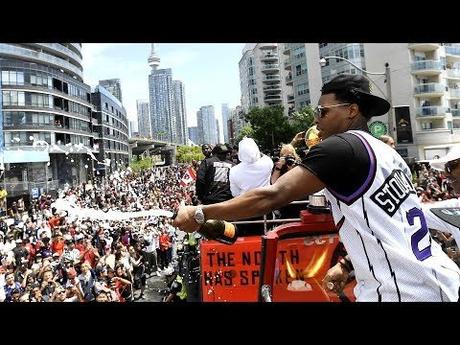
(374,204)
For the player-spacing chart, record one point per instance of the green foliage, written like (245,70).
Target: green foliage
(186,154)
(302,120)
(271,126)
(139,164)
(246,131)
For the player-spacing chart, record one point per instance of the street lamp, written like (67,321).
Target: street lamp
(391,131)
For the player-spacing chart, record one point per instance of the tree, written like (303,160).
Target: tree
(140,164)
(271,127)
(246,131)
(302,120)
(186,154)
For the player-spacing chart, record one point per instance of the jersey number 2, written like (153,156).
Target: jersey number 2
(419,234)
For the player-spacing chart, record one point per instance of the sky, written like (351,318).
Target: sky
(209,72)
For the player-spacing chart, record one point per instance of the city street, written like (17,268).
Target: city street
(152,292)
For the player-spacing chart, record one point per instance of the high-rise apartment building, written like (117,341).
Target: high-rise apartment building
(47,117)
(260,76)
(424,78)
(112,129)
(180,113)
(113,86)
(226,112)
(168,119)
(193,135)
(206,122)
(143,119)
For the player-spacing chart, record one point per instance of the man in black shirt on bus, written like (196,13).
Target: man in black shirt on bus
(212,183)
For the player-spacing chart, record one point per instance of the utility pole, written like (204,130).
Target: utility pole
(391,125)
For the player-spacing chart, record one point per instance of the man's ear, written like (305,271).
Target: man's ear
(354,111)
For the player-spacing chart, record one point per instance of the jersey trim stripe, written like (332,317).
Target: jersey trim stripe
(393,274)
(371,268)
(369,180)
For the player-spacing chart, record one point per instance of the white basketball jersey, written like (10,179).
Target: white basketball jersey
(383,229)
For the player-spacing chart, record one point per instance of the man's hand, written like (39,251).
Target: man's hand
(184,219)
(280,163)
(299,137)
(335,279)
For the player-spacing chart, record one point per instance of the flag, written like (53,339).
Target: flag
(192,173)
(188,178)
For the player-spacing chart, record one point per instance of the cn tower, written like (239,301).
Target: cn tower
(153,60)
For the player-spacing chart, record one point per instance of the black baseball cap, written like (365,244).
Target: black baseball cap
(359,88)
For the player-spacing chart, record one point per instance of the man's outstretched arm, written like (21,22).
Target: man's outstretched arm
(291,186)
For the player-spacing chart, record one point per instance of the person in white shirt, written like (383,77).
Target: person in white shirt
(150,250)
(254,170)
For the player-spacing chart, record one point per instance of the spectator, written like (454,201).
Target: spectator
(253,171)
(212,184)
(388,140)
(206,149)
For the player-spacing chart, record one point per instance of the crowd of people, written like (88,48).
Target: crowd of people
(431,184)
(50,255)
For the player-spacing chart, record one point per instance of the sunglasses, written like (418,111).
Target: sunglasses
(321,110)
(451,166)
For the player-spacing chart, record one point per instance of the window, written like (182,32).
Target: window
(298,70)
(13,98)
(302,89)
(12,78)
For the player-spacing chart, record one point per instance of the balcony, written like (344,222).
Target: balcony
(40,58)
(290,99)
(453,52)
(48,90)
(430,112)
(269,57)
(434,136)
(59,148)
(272,79)
(454,93)
(455,113)
(272,98)
(61,50)
(287,65)
(426,67)
(289,80)
(273,89)
(429,90)
(423,47)
(287,50)
(453,74)
(268,45)
(270,68)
